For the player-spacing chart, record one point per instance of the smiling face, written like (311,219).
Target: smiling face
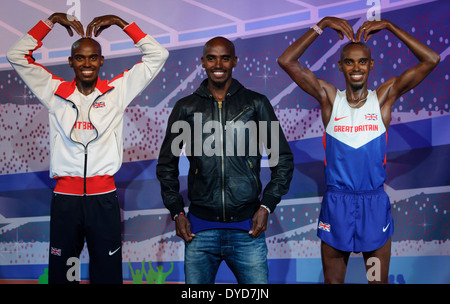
(356,63)
(86,60)
(219,59)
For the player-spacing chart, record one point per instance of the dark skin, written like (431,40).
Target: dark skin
(219,59)
(356,63)
(86,55)
(387,93)
(86,61)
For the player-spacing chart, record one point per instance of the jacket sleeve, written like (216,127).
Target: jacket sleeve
(38,79)
(141,74)
(167,168)
(281,160)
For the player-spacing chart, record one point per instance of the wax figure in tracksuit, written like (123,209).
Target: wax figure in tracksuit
(84,202)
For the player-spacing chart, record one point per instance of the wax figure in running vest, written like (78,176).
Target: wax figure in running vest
(355,213)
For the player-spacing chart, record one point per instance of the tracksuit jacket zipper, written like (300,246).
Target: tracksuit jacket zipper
(87,144)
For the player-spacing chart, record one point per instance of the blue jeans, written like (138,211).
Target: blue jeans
(244,255)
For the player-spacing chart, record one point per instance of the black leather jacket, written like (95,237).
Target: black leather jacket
(223,182)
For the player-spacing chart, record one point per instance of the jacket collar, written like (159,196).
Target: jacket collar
(66,88)
(204,92)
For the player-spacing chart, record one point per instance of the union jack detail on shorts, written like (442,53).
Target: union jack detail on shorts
(324,226)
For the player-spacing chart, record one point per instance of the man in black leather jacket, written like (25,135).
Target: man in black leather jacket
(223,127)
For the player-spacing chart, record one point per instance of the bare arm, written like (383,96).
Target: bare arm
(321,90)
(392,89)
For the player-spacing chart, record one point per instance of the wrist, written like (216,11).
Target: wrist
(135,33)
(177,215)
(317,29)
(121,23)
(322,24)
(51,18)
(49,23)
(56,17)
(265,208)
(389,25)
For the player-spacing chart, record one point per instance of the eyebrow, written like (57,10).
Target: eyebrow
(351,59)
(221,56)
(81,55)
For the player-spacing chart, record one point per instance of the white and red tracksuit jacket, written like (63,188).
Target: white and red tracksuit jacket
(86,169)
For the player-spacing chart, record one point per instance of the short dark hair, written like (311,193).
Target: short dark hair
(228,43)
(77,43)
(348,45)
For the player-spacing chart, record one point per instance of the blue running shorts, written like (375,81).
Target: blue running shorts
(355,220)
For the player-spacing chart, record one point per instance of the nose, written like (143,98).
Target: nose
(356,67)
(218,63)
(86,63)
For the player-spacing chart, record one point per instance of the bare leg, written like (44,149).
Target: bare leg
(383,257)
(334,263)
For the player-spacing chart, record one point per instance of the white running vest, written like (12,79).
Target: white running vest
(355,145)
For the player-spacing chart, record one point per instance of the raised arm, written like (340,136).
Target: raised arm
(136,79)
(40,81)
(321,90)
(392,89)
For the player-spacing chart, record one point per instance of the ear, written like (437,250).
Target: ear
(235,61)
(203,62)
(70,62)
(102,60)
(371,64)
(340,65)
